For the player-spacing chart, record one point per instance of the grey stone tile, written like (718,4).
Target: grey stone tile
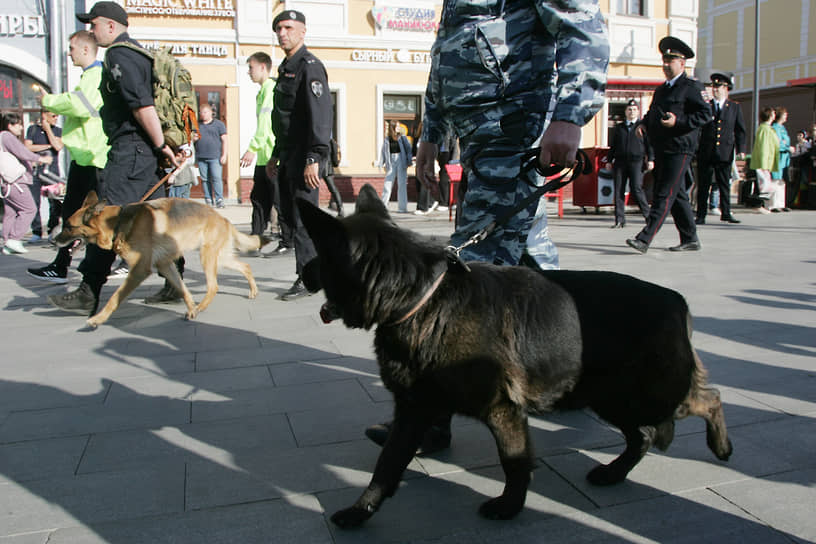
(184,386)
(64,502)
(784,501)
(688,464)
(21,395)
(276,400)
(309,350)
(27,538)
(140,412)
(317,427)
(263,475)
(699,516)
(295,520)
(341,368)
(220,442)
(40,459)
(426,508)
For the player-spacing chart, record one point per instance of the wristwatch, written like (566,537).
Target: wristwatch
(310,160)
(158,149)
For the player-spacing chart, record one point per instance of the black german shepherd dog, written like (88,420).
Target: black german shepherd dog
(497,342)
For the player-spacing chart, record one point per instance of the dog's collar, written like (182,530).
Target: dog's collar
(423,300)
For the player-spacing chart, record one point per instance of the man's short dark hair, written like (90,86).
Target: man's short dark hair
(86,38)
(261,58)
(765,114)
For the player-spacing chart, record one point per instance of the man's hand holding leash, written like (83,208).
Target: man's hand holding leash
(559,144)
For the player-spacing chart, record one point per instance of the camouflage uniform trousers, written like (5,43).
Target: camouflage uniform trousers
(492,159)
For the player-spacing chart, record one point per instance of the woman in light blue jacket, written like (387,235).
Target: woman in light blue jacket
(395,156)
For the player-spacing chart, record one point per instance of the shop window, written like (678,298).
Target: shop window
(18,94)
(405,109)
(631,7)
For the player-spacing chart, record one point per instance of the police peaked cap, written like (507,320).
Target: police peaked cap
(675,47)
(723,77)
(109,10)
(632,102)
(288,15)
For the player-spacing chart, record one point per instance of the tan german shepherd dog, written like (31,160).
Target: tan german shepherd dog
(154,234)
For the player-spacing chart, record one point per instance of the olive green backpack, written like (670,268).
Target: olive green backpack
(173,95)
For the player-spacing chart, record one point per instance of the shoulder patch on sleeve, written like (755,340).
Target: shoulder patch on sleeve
(317,88)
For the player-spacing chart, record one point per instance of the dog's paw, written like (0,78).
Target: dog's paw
(351,517)
(92,323)
(253,294)
(191,314)
(501,508)
(605,475)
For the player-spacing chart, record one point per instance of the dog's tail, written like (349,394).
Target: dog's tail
(248,242)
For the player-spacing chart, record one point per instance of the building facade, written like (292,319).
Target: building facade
(376,52)
(787,53)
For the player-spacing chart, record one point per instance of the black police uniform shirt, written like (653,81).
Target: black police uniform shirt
(127,84)
(685,100)
(724,135)
(626,145)
(302,112)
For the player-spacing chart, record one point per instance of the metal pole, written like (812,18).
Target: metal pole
(755,98)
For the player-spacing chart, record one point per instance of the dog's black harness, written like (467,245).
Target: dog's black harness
(556,176)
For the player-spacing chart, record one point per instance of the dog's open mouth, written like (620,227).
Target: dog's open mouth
(329,312)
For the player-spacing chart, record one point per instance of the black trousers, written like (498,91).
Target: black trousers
(444,179)
(631,171)
(334,194)
(264,196)
(81,180)
(292,186)
(721,172)
(670,195)
(131,171)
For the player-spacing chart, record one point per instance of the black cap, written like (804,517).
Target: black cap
(632,102)
(109,10)
(675,47)
(288,15)
(723,77)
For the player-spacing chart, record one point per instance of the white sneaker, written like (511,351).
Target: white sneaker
(13,247)
(119,272)
(419,212)
(442,208)
(434,206)
(764,210)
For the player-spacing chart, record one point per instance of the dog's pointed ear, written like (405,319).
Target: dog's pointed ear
(99,206)
(324,230)
(90,199)
(368,201)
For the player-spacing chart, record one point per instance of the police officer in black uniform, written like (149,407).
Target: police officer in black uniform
(302,123)
(673,124)
(719,140)
(134,133)
(629,154)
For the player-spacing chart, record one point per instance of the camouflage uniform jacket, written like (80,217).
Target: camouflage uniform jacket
(495,56)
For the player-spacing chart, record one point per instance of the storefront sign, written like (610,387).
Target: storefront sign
(195,49)
(22,25)
(405,18)
(182,8)
(390,55)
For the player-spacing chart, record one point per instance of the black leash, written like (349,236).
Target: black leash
(557,177)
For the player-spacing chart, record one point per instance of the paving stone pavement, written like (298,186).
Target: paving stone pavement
(246,425)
